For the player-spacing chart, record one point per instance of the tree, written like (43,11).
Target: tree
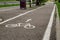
(37,2)
(30,3)
(33,1)
(58,0)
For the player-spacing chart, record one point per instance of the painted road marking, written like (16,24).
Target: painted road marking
(26,26)
(20,15)
(14,25)
(11,25)
(29,26)
(28,20)
(49,26)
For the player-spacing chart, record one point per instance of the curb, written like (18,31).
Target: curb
(49,26)
(57,25)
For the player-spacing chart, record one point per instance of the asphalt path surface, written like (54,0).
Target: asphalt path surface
(31,26)
(14,11)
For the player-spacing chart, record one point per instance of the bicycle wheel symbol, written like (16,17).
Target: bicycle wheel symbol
(29,26)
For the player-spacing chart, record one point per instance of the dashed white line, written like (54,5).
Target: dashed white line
(49,26)
(28,20)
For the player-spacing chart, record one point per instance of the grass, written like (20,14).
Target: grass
(8,5)
(58,5)
(6,0)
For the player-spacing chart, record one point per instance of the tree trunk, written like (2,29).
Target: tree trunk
(23,4)
(30,3)
(37,3)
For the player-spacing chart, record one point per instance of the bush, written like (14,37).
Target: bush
(58,5)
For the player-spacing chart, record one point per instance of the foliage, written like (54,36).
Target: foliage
(58,5)
(7,0)
(8,5)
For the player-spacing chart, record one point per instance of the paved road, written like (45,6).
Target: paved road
(9,12)
(30,26)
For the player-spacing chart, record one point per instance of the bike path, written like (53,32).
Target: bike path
(10,12)
(31,26)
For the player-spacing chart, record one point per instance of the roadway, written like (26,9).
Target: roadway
(30,25)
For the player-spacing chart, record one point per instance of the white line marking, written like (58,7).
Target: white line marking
(29,26)
(28,20)
(11,25)
(20,15)
(49,26)
(14,25)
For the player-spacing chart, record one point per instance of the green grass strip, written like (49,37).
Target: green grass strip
(9,5)
(58,5)
(6,0)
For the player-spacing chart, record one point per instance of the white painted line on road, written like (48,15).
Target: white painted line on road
(20,15)
(14,25)
(28,20)
(49,26)
(11,25)
(29,26)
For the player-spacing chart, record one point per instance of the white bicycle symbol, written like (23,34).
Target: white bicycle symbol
(25,25)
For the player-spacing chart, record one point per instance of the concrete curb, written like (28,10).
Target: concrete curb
(57,25)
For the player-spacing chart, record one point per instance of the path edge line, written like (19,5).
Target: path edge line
(49,26)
